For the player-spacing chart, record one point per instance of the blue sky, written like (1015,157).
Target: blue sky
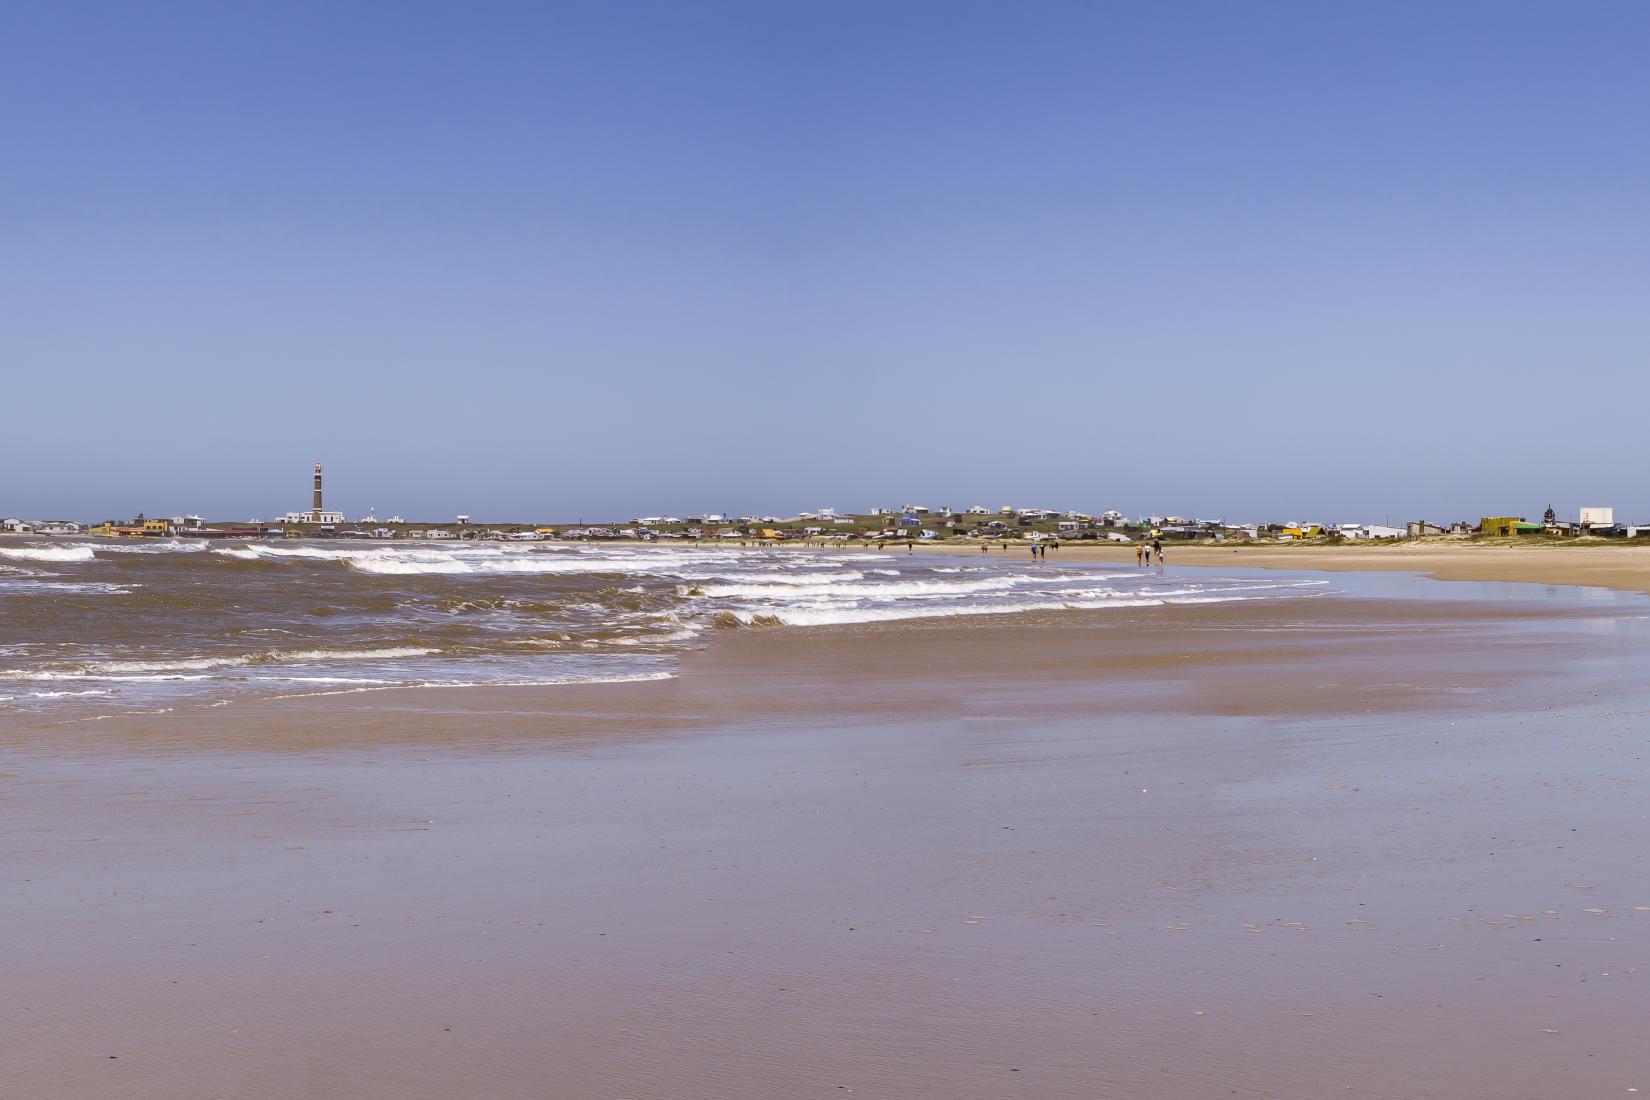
(557,260)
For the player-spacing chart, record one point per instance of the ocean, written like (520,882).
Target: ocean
(90,628)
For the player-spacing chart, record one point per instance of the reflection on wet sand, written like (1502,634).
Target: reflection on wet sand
(1188,852)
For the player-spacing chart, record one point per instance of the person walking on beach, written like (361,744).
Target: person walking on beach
(1158,546)
(1139,554)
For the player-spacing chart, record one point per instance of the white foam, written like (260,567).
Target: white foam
(169,546)
(834,616)
(891,590)
(53,553)
(623,678)
(84,588)
(176,668)
(323,680)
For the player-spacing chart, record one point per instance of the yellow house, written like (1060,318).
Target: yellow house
(1502,527)
(1307,531)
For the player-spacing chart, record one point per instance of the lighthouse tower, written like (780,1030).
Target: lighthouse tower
(315,507)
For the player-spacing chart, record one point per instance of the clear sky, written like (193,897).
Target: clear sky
(1253,260)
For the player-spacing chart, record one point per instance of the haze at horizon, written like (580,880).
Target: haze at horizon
(551,261)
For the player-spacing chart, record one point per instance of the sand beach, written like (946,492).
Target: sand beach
(1250,849)
(1604,563)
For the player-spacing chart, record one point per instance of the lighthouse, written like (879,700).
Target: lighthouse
(316,513)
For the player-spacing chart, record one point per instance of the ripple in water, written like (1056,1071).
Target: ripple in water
(91,627)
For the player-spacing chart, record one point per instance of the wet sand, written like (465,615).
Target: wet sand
(1350,847)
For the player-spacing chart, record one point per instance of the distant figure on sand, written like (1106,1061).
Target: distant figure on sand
(1139,553)
(1158,546)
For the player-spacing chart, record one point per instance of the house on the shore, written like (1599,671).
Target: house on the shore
(1504,527)
(1598,521)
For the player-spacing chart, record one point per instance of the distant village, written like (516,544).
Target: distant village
(905,523)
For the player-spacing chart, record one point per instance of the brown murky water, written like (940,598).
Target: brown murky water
(91,628)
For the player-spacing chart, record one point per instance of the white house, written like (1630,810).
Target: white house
(1598,517)
(16,526)
(313,517)
(979,510)
(1369,531)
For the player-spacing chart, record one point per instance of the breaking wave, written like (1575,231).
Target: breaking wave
(45,553)
(99,670)
(152,624)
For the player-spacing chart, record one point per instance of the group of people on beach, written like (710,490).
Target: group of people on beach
(1143,552)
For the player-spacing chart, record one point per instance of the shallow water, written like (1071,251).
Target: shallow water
(90,627)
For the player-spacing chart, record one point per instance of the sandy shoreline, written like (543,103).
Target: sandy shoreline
(1203,654)
(1593,562)
(1624,567)
(1171,852)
